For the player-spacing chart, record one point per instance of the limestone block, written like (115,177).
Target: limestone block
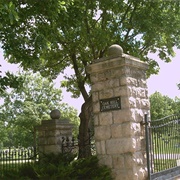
(41,133)
(132,91)
(52,149)
(96,119)
(123,80)
(102,133)
(142,82)
(138,142)
(94,78)
(120,145)
(134,160)
(141,173)
(116,72)
(42,141)
(50,133)
(106,93)
(131,81)
(112,83)
(105,118)
(135,73)
(132,102)
(120,91)
(51,140)
(100,147)
(116,130)
(96,107)
(95,96)
(143,144)
(102,76)
(118,162)
(98,86)
(127,174)
(142,93)
(145,104)
(139,158)
(125,102)
(138,103)
(105,160)
(123,115)
(131,129)
(131,175)
(139,115)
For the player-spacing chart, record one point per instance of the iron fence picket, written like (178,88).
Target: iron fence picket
(71,144)
(13,158)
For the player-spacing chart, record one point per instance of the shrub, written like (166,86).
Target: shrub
(63,166)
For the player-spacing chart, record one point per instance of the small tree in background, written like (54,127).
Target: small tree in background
(162,106)
(49,36)
(25,107)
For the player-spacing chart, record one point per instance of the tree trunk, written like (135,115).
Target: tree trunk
(84,135)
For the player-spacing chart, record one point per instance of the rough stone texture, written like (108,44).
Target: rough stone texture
(50,134)
(102,132)
(115,50)
(105,118)
(55,114)
(119,134)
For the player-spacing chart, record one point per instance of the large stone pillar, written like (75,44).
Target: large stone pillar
(50,133)
(120,100)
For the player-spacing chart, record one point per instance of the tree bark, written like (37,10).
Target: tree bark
(84,135)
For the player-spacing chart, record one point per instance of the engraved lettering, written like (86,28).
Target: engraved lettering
(110,104)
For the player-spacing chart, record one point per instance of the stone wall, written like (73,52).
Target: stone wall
(119,135)
(50,133)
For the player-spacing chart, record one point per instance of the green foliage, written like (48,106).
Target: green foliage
(62,166)
(88,168)
(52,35)
(162,106)
(49,36)
(176,106)
(57,159)
(24,108)
(9,81)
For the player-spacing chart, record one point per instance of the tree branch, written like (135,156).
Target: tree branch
(130,22)
(80,81)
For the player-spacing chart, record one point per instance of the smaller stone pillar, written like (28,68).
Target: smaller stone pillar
(50,133)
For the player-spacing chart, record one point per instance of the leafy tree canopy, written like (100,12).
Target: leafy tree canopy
(162,106)
(50,35)
(24,108)
(9,80)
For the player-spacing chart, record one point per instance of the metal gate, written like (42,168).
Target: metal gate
(162,143)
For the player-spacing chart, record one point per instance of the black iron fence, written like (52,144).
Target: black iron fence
(163,143)
(71,145)
(13,158)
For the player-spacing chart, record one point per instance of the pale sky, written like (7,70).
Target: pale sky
(167,79)
(165,82)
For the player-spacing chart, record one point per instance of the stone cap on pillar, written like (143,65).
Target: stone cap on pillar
(115,50)
(116,58)
(55,114)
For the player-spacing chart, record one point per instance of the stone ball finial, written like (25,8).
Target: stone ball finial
(115,50)
(55,114)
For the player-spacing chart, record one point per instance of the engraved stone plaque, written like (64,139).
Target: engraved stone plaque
(110,104)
